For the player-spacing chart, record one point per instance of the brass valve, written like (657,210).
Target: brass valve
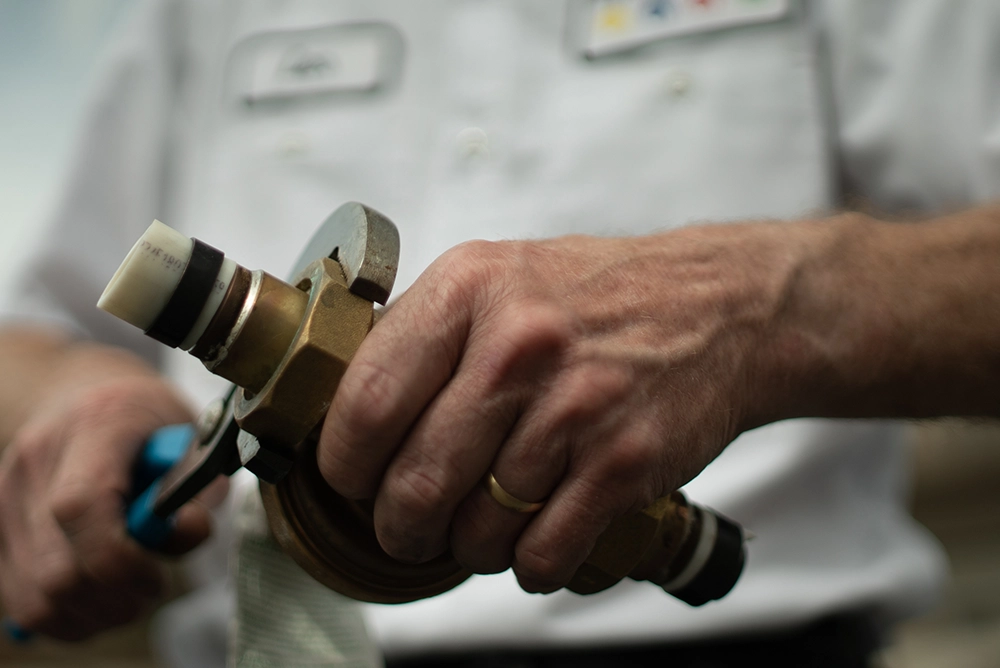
(287,345)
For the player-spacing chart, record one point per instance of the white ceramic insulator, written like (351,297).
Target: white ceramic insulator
(148,276)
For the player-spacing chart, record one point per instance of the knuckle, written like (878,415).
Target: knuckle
(369,392)
(464,271)
(632,458)
(413,506)
(57,576)
(71,502)
(422,487)
(541,325)
(589,392)
(27,454)
(473,257)
(525,334)
(625,477)
(625,466)
(537,456)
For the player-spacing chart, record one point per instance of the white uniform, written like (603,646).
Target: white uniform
(246,122)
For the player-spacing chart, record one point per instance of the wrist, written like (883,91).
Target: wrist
(824,319)
(736,290)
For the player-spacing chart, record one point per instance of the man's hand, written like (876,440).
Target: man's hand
(598,374)
(67,567)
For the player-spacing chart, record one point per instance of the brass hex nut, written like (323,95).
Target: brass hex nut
(296,397)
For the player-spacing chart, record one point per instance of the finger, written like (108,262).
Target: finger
(35,557)
(483,533)
(193,522)
(576,410)
(401,365)
(605,480)
(510,357)
(560,538)
(215,493)
(93,523)
(438,465)
(84,608)
(528,467)
(55,595)
(192,526)
(102,436)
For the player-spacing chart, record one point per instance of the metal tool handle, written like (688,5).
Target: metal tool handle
(159,454)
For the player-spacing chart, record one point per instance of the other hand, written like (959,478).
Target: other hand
(69,570)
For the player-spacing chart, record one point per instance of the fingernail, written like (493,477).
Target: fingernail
(538,587)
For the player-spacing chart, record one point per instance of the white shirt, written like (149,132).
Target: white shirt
(245,123)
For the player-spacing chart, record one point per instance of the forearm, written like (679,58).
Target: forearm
(36,364)
(888,319)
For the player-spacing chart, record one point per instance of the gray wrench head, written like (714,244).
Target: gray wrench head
(364,242)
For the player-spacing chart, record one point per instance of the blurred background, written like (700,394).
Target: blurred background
(49,53)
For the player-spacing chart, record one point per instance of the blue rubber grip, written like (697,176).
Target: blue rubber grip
(163,449)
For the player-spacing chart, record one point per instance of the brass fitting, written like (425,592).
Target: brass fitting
(288,345)
(296,396)
(333,538)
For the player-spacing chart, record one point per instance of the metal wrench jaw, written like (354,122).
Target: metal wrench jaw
(269,464)
(213,454)
(365,244)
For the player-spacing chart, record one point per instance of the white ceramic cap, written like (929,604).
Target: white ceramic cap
(150,273)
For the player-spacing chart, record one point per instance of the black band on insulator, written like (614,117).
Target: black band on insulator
(184,306)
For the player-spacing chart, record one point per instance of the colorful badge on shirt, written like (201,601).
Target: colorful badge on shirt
(609,26)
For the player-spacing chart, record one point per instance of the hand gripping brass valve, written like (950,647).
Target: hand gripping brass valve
(286,346)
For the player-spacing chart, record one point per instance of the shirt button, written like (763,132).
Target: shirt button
(292,144)
(679,83)
(472,143)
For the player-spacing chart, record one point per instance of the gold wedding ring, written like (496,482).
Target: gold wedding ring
(505,499)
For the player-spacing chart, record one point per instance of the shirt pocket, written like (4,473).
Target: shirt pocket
(308,118)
